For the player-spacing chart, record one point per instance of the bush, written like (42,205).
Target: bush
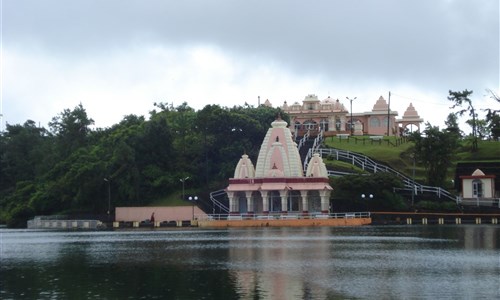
(19,216)
(436,206)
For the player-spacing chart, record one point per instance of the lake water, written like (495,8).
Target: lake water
(370,262)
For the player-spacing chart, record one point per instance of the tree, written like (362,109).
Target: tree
(452,124)
(348,189)
(21,152)
(435,150)
(493,118)
(71,127)
(462,98)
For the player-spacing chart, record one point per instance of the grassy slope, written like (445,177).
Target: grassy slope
(398,157)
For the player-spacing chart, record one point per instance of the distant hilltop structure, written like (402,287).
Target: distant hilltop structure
(332,117)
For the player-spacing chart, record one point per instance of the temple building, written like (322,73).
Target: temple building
(410,119)
(478,186)
(277,183)
(331,117)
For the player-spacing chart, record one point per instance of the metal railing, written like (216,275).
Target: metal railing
(282,216)
(491,202)
(367,164)
(218,204)
(303,140)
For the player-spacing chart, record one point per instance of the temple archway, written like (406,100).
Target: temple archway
(314,201)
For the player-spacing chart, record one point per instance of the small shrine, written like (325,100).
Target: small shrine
(478,185)
(410,119)
(277,183)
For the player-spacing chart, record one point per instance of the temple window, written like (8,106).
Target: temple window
(477,188)
(385,121)
(374,122)
(324,124)
(310,125)
(337,123)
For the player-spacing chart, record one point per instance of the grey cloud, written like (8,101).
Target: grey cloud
(427,42)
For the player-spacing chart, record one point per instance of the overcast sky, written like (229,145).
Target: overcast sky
(118,57)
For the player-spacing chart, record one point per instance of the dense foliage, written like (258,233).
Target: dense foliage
(367,193)
(69,167)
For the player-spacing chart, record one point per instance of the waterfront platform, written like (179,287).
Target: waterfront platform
(255,220)
(285,220)
(51,223)
(431,218)
(319,219)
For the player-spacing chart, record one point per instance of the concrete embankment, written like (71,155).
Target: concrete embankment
(426,218)
(285,223)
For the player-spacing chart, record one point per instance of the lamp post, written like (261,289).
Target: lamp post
(363,197)
(109,196)
(183,180)
(191,198)
(351,112)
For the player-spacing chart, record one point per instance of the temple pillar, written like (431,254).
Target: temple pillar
(325,201)
(233,203)
(250,206)
(265,201)
(305,202)
(284,202)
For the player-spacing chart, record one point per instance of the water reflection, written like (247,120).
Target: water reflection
(278,263)
(257,263)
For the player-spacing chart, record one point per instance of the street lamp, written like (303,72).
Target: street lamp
(369,196)
(351,111)
(109,196)
(183,180)
(191,198)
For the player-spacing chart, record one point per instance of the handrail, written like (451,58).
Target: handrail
(314,149)
(280,216)
(303,140)
(367,164)
(217,203)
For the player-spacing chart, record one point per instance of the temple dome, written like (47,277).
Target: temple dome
(478,172)
(311,98)
(244,168)
(411,113)
(279,152)
(339,106)
(316,167)
(380,105)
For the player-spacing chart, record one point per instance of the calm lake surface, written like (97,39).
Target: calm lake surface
(371,262)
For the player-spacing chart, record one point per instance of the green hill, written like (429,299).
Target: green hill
(396,153)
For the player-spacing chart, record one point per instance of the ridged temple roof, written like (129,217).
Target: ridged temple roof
(381,104)
(278,154)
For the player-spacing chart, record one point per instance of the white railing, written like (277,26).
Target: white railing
(217,203)
(367,164)
(492,202)
(283,216)
(304,139)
